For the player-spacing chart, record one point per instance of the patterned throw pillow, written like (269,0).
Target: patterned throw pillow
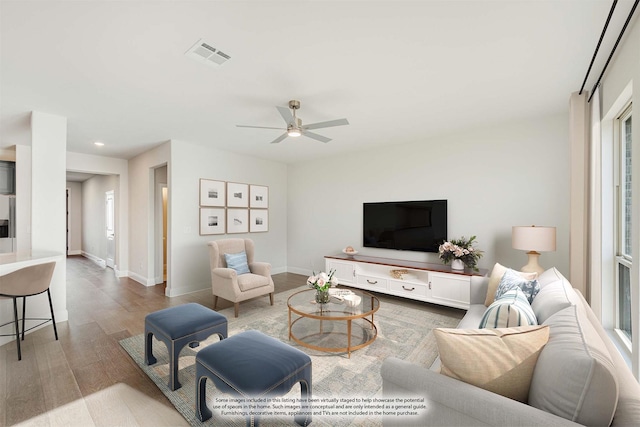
(509,311)
(494,280)
(238,262)
(512,279)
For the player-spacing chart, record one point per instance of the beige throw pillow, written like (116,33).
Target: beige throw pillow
(494,280)
(498,360)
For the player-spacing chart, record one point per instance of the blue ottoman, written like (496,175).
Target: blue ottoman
(251,366)
(178,326)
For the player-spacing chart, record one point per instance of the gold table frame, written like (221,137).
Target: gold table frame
(329,315)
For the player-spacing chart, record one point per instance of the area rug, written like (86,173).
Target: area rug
(404,331)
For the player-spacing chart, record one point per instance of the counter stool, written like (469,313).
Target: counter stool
(23,283)
(178,326)
(249,366)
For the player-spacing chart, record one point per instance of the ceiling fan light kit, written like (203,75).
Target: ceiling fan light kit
(294,124)
(294,132)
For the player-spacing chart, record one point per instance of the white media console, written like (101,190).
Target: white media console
(434,283)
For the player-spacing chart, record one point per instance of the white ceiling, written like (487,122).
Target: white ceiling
(399,71)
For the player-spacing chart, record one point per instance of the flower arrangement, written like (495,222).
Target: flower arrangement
(461,249)
(322,281)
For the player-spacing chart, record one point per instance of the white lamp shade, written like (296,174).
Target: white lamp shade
(534,238)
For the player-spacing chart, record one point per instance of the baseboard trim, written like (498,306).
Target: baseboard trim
(279,270)
(102,263)
(75,252)
(141,279)
(295,270)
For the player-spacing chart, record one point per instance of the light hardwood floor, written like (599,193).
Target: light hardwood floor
(85,378)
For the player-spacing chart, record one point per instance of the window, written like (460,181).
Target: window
(624,254)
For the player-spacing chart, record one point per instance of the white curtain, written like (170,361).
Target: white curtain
(595,207)
(579,192)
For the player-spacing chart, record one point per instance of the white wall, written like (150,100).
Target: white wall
(516,173)
(141,212)
(94,238)
(74,219)
(188,251)
(623,69)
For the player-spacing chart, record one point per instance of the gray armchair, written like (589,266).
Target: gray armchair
(228,284)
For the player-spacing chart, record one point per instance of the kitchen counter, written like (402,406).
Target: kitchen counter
(16,260)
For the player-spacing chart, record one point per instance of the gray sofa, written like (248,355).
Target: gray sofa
(580,377)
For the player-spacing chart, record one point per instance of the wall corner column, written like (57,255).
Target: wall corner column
(48,198)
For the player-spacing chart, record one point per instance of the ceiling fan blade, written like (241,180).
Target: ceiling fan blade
(258,127)
(280,138)
(315,136)
(286,114)
(330,123)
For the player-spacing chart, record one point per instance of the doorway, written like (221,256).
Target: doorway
(110,226)
(161,220)
(164,233)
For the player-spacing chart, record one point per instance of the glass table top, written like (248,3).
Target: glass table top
(344,303)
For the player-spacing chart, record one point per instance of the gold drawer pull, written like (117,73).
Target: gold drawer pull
(407,289)
(374,282)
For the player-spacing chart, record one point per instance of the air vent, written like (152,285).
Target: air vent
(207,54)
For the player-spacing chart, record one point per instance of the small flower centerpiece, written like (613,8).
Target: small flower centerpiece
(321,282)
(461,253)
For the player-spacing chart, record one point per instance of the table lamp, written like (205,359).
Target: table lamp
(534,240)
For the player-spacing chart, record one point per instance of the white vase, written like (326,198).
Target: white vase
(457,264)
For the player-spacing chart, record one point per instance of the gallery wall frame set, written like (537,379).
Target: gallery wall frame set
(233,207)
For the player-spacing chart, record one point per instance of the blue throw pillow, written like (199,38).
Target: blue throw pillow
(238,262)
(511,280)
(509,311)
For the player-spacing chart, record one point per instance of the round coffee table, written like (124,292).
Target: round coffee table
(319,326)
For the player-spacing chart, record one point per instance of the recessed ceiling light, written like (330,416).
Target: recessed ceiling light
(98,144)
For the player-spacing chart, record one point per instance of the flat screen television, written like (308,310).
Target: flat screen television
(409,226)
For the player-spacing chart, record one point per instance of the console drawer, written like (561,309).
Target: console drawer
(372,282)
(408,288)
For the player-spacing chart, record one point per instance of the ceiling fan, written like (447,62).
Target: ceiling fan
(295,127)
